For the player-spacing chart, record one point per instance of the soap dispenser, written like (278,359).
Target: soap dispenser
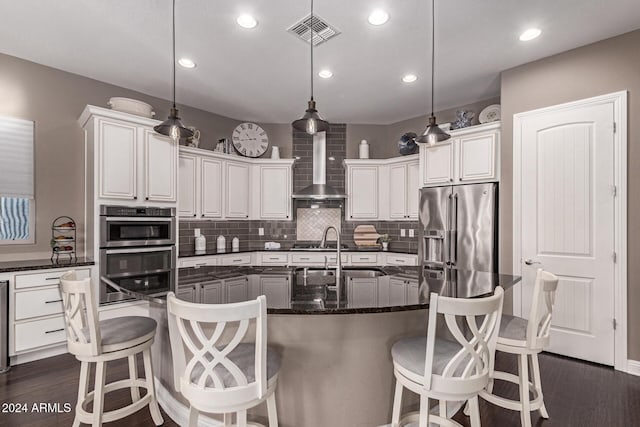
(222,243)
(201,241)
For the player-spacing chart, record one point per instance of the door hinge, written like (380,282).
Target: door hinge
(614,127)
(614,190)
(615,324)
(615,257)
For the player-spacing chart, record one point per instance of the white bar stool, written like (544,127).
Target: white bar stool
(213,369)
(99,342)
(526,338)
(448,370)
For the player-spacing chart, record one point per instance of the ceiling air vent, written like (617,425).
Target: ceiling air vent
(321,30)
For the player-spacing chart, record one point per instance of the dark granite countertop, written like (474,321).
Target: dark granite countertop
(311,295)
(288,248)
(42,264)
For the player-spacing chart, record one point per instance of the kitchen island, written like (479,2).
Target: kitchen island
(336,363)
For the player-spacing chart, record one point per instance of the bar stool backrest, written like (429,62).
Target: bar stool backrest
(202,368)
(80,316)
(544,295)
(468,370)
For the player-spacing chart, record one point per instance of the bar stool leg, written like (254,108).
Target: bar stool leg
(424,411)
(538,384)
(228,419)
(397,405)
(474,412)
(83,389)
(525,410)
(442,408)
(193,417)
(156,415)
(98,394)
(271,410)
(133,375)
(242,418)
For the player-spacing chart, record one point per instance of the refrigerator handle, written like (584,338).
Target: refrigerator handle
(453,256)
(447,243)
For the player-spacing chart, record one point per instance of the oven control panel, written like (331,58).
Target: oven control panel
(136,211)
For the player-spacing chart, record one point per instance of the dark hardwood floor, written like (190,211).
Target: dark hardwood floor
(576,394)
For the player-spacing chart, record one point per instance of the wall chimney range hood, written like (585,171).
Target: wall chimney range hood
(319,190)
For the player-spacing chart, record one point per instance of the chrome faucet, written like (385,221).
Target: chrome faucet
(323,244)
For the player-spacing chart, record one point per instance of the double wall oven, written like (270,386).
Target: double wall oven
(137,249)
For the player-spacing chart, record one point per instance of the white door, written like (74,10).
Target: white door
(397,191)
(237,194)
(363,192)
(211,188)
(275,192)
(413,189)
(160,160)
(568,224)
(118,160)
(187,176)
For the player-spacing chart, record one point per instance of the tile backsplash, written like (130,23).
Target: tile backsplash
(311,223)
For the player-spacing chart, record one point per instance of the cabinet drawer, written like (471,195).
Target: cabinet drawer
(364,258)
(41,302)
(240,259)
(44,279)
(280,259)
(39,333)
(197,262)
(401,260)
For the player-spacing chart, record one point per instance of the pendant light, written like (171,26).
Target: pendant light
(173,127)
(311,122)
(433,134)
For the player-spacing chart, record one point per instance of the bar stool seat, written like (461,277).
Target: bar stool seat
(513,328)
(97,342)
(410,354)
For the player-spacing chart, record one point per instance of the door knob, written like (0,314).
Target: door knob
(529,261)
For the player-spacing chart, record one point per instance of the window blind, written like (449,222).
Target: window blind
(16,158)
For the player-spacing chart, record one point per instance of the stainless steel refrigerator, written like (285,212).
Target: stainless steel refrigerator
(458,230)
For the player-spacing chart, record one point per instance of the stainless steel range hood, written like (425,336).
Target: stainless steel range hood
(319,190)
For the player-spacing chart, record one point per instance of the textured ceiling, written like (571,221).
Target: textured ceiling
(263,75)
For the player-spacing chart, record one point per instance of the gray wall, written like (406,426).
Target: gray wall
(54,99)
(608,66)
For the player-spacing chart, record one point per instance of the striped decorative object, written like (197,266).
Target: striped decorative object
(14,218)
(366,236)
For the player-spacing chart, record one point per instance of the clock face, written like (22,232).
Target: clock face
(250,140)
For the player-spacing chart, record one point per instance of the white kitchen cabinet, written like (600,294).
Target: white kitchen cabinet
(188,293)
(397,291)
(413,292)
(187,185)
(404,185)
(237,259)
(212,293)
(362,292)
(277,291)
(236,289)
(117,159)
(211,188)
(362,191)
(237,190)
(471,155)
(400,259)
(275,191)
(160,167)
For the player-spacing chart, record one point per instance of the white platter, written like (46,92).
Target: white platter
(490,114)
(132,106)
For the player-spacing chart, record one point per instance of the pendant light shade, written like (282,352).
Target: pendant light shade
(311,122)
(433,134)
(173,127)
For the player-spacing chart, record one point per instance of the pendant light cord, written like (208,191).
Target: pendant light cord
(433,48)
(311,41)
(174,52)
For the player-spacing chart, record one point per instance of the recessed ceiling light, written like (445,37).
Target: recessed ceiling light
(378,17)
(325,74)
(247,21)
(410,78)
(530,34)
(186,63)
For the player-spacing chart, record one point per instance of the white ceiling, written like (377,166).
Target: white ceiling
(263,75)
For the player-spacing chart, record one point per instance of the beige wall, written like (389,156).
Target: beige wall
(54,99)
(608,66)
(383,139)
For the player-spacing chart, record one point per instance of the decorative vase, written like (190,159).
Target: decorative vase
(385,246)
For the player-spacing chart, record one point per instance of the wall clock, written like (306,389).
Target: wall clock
(250,140)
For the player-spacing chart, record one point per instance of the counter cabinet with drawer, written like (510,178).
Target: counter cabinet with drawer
(36,320)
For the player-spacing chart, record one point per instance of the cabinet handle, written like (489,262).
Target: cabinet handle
(194,215)
(237,260)
(51,278)
(55,330)
(53,301)
(146,198)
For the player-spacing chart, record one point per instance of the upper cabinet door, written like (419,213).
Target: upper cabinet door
(413,189)
(438,163)
(478,157)
(187,184)
(211,185)
(118,156)
(363,192)
(237,190)
(160,161)
(398,191)
(275,192)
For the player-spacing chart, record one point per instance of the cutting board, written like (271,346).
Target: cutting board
(366,236)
